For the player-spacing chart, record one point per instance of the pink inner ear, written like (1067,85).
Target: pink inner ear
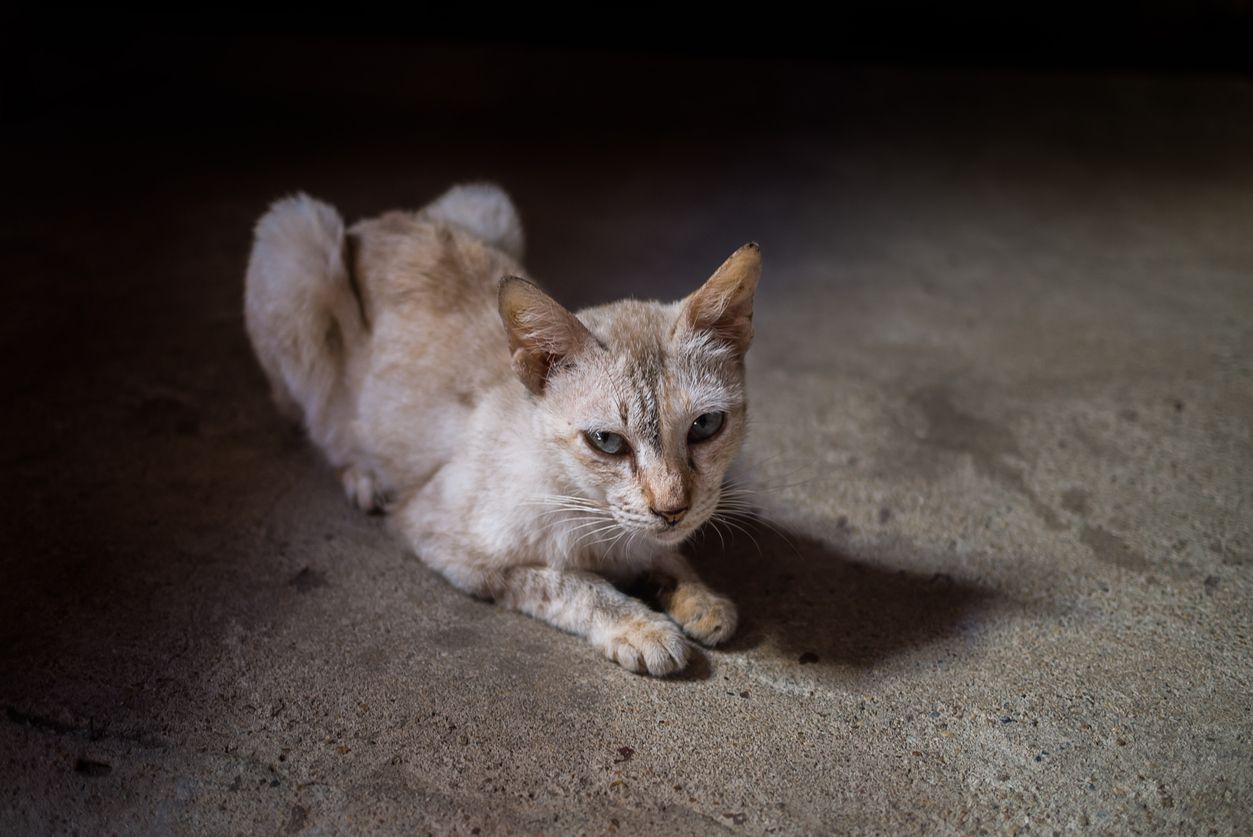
(735,327)
(725,311)
(541,332)
(724,304)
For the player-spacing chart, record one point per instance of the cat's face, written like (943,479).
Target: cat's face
(648,419)
(643,402)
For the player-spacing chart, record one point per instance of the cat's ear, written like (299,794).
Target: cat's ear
(723,306)
(541,332)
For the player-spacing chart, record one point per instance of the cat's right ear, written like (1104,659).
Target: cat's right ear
(723,306)
(541,332)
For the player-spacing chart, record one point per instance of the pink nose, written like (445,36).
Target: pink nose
(671,516)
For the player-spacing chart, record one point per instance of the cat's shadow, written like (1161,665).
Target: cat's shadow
(813,603)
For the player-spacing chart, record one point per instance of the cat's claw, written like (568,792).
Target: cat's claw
(645,644)
(705,616)
(363,490)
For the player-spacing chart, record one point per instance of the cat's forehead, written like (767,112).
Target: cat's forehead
(641,350)
(651,375)
(631,327)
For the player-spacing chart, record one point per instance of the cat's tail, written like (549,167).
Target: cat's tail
(483,209)
(303,315)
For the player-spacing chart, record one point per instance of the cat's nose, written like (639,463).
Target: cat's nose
(671,516)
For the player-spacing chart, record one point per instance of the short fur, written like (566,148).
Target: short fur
(456,395)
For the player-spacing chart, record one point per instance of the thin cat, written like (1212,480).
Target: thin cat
(530,455)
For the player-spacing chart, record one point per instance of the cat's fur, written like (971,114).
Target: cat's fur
(456,396)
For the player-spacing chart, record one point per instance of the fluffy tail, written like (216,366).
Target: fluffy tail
(302,313)
(482,209)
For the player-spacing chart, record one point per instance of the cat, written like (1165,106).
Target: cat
(532,456)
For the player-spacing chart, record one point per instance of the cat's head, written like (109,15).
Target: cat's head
(641,402)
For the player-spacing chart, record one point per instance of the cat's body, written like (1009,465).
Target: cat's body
(530,461)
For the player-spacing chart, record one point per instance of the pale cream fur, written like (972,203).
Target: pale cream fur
(456,396)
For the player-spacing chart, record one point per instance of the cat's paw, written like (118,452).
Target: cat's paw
(647,644)
(705,616)
(363,489)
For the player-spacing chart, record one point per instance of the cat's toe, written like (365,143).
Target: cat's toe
(708,618)
(648,645)
(363,490)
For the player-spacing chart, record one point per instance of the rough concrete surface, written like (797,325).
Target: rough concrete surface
(1002,392)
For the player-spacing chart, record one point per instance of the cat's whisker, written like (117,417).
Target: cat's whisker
(737,507)
(561,499)
(616,541)
(608,538)
(583,539)
(714,525)
(719,524)
(737,526)
(554,507)
(757,519)
(574,501)
(753,516)
(573,513)
(571,510)
(631,540)
(563,504)
(575,524)
(760,488)
(746,476)
(741,502)
(606,527)
(564,514)
(737,496)
(753,466)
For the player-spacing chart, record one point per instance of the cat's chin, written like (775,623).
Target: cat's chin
(671,537)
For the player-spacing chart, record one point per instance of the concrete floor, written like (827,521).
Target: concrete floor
(1002,390)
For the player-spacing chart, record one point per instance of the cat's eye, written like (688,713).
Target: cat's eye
(606,442)
(705,426)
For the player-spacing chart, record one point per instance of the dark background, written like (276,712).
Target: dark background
(971,218)
(97,109)
(109,63)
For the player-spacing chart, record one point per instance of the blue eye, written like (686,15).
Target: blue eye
(605,442)
(705,426)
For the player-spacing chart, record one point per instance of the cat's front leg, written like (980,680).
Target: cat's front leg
(705,616)
(623,628)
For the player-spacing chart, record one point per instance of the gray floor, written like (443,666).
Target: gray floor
(1002,392)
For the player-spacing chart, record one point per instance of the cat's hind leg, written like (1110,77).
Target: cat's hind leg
(484,210)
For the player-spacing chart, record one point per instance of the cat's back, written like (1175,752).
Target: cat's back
(411,265)
(429,290)
(437,347)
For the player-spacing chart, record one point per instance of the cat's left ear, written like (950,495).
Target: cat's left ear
(724,304)
(541,332)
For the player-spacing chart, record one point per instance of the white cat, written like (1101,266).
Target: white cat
(531,462)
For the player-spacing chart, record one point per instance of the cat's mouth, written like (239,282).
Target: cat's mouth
(664,535)
(679,532)
(661,533)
